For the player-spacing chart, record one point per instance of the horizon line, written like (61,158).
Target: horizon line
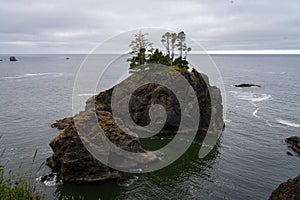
(209,52)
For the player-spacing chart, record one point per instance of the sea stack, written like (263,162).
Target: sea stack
(12,58)
(74,163)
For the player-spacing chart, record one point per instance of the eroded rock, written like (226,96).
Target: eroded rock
(289,190)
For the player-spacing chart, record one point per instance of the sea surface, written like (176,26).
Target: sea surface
(249,162)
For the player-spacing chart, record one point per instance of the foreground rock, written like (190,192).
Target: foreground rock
(12,58)
(289,190)
(74,163)
(247,85)
(72,160)
(294,143)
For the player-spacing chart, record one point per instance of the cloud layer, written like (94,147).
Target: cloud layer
(33,26)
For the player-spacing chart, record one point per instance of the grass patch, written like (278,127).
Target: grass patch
(14,187)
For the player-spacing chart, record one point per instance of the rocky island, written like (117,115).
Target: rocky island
(74,163)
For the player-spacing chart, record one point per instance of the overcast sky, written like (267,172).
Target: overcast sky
(66,26)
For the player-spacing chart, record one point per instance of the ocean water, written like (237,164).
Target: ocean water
(249,162)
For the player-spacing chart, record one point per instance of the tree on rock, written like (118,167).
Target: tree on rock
(159,58)
(168,40)
(140,48)
(182,47)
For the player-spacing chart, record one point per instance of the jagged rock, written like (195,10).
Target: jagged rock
(247,85)
(62,123)
(294,143)
(289,190)
(12,58)
(74,163)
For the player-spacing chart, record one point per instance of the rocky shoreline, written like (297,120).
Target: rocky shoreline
(289,190)
(74,163)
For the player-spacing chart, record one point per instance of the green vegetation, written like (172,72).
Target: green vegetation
(143,53)
(15,187)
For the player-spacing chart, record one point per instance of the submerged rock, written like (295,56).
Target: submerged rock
(74,163)
(289,190)
(12,58)
(247,85)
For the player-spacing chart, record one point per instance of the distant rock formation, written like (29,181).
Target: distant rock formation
(289,190)
(74,163)
(247,85)
(12,58)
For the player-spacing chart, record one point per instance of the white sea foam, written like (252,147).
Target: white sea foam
(227,120)
(29,76)
(288,123)
(254,113)
(254,97)
(51,181)
(86,94)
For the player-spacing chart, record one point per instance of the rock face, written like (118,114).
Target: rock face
(209,98)
(294,143)
(247,85)
(289,190)
(12,58)
(74,163)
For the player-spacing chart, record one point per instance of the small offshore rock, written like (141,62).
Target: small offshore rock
(294,143)
(247,85)
(289,153)
(12,58)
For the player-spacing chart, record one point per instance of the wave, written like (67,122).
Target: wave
(276,72)
(30,76)
(288,123)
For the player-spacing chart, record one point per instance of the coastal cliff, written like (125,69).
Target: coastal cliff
(74,163)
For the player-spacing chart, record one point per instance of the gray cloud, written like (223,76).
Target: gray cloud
(33,26)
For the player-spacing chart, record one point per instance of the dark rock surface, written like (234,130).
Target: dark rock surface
(74,163)
(12,58)
(210,108)
(62,123)
(247,85)
(294,143)
(289,190)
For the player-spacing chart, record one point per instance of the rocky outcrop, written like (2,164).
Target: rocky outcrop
(294,143)
(209,101)
(289,190)
(62,123)
(247,85)
(12,58)
(74,163)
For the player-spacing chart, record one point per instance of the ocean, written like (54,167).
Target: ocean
(249,162)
